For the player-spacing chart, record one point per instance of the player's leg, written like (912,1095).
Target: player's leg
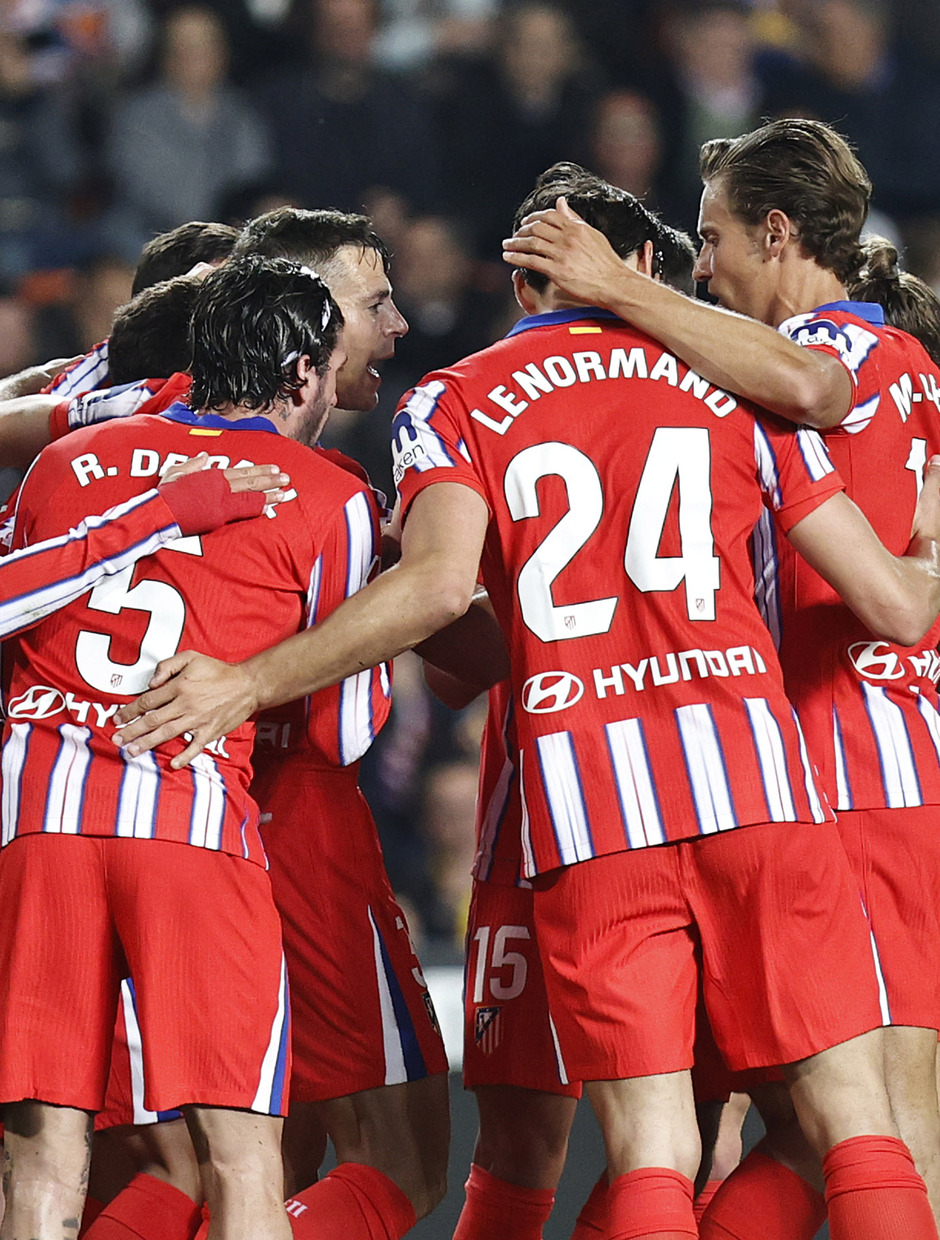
(795,886)
(367,1050)
(203,942)
(239,1156)
(46,1154)
(509,1061)
(59,970)
(911,1078)
(618,954)
(149,1178)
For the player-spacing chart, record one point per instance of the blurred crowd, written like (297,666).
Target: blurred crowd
(123,118)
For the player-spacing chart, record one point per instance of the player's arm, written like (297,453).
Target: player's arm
(34,378)
(736,353)
(471,650)
(896,597)
(41,579)
(24,429)
(430,586)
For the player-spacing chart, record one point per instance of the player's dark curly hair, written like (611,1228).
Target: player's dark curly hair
(908,303)
(805,169)
(252,320)
(676,254)
(175,252)
(623,219)
(150,336)
(311,237)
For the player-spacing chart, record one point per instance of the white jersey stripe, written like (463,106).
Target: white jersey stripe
(772,758)
(706,767)
(565,797)
(898,770)
(525,828)
(814,453)
(767,574)
(820,812)
(930,717)
(634,780)
(767,466)
(137,800)
(209,797)
(313,591)
(14,759)
(356,725)
(67,781)
(395,1068)
(843,787)
(265,1100)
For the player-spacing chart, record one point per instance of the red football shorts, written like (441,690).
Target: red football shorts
(362,1016)
(508,1037)
(895,855)
(773,910)
(200,935)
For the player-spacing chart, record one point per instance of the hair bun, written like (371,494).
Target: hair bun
(881,259)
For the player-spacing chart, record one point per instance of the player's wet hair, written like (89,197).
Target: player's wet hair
(908,303)
(150,336)
(623,219)
(675,252)
(175,252)
(310,237)
(253,318)
(808,171)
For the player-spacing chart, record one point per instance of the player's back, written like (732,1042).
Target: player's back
(229,594)
(623,490)
(869,708)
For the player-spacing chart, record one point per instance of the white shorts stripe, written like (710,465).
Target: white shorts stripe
(135,1051)
(706,766)
(634,782)
(772,759)
(898,771)
(14,759)
(565,797)
(67,781)
(395,1069)
(264,1100)
(559,1058)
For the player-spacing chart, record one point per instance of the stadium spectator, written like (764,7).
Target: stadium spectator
(177,144)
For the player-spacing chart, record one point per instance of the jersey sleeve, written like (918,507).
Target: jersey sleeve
(427,443)
(795,472)
(38,580)
(853,345)
(90,371)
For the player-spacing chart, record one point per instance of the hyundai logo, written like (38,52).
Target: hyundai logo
(39,702)
(876,661)
(550,691)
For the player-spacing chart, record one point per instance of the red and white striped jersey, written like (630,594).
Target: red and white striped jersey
(89,372)
(230,594)
(869,709)
(499,808)
(623,489)
(336,726)
(39,579)
(102,404)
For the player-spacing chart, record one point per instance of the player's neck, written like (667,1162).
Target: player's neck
(805,286)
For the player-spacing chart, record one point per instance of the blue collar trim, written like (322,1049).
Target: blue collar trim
(178,412)
(551,317)
(870,311)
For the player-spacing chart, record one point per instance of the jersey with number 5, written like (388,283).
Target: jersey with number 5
(869,708)
(229,594)
(649,703)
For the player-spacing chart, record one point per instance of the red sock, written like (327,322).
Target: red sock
(148,1209)
(874,1192)
(92,1209)
(654,1203)
(353,1202)
(763,1200)
(704,1199)
(592,1221)
(494,1207)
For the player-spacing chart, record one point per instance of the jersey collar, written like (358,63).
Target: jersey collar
(551,317)
(178,412)
(870,311)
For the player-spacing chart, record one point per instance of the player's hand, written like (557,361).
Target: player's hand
(575,256)
(189,693)
(268,478)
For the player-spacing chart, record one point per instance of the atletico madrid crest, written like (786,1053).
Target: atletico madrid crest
(488,1028)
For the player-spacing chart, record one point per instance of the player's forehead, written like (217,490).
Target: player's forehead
(714,213)
(357,276)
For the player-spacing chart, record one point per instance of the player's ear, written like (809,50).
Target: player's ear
(306,372)
(524,294)
(778,230)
